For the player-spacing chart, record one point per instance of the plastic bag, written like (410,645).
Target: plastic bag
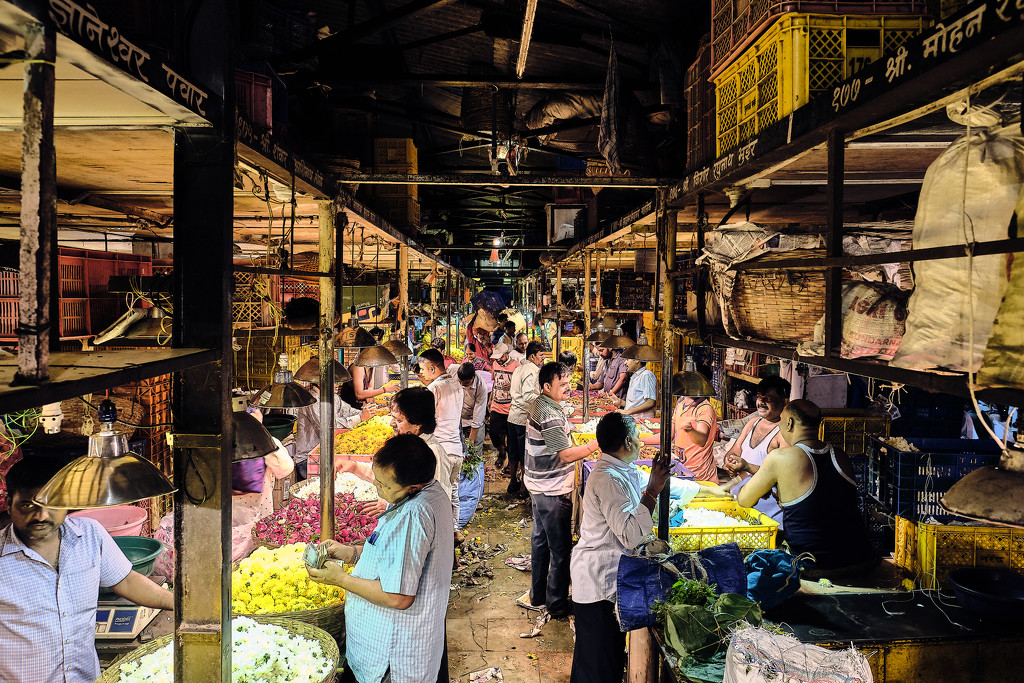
(471,490)
(643,580)
(488,301)
(248,475)
(969,193)
(772,576)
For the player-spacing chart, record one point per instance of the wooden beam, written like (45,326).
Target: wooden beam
(667,242)
(524,39)
(487,179)
(37,320)
(834,243)
(325,352)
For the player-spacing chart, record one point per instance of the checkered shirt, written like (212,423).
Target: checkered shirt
(410,553)
(48,617)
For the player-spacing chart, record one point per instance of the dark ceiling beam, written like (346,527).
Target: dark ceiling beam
(378,24)
(441,37)
(603,15)
(553,17)
(463,81)
(478,247)
(73,197)
(487,179)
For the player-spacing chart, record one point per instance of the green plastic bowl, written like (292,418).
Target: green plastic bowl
(141,551)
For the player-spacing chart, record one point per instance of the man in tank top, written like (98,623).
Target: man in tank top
(759,436)
(818,496)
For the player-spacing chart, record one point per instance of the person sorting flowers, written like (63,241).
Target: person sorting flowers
(616,518)
(398,592)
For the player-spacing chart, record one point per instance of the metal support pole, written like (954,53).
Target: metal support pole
(558,311)
(325,351)
(586,333)
(698,278)
(403,305)
(203,176)
(38,317)
(834,242)
(666,226)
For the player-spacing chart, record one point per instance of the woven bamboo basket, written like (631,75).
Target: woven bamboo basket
(779,305)
(297,627)
(330,619)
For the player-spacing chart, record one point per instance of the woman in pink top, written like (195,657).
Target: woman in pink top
(695,430)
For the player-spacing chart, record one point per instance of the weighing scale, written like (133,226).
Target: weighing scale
(117,617)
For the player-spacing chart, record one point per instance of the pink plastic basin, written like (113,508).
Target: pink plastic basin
(118,520)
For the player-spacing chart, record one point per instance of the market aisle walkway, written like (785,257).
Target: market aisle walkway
(484,622)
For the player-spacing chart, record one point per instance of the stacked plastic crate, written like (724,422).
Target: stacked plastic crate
(86,305)
(770,57)
(397,204)
(700,109)
(254,298)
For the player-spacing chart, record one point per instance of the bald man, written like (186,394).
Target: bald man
(818,497)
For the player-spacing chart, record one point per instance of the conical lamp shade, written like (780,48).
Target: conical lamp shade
(692,384)
(310,372)
(109,475)
(252,440)
(618,340)
(991,494)
(375,356)
(397,348)
(642,352)
(598,335)
(354,338)
(290,395)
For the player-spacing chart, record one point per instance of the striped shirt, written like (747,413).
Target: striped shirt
(410,553)
(47,616)
(525,391)
(547,433)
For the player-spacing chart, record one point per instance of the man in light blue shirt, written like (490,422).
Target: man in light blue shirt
(398,592)
(51,570)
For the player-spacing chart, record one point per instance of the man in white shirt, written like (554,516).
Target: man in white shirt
(524,392)
(448,400)
(518,352)
(616,518)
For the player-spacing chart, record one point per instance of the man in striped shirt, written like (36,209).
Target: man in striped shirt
(550,477)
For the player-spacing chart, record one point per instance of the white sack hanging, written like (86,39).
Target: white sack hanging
(968,195)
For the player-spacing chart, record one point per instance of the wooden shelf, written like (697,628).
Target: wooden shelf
(77,373)
(742,376)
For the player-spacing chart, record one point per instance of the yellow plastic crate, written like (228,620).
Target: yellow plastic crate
(760,535)
(935,549)
(850,429)
(580,438)
(796,58)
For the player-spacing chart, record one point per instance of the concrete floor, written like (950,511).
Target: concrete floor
(484,622)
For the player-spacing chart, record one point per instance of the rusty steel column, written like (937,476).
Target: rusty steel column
(666,227)
(37,319)
(327,214)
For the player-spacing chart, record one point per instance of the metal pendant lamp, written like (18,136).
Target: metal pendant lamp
(397,347)
(598,335)
(992,494)
(284,392)
(618,340)
(354,337)
(375,356)
(310,372)
(109,474)
(643,353)
(252,440)
(691,383)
